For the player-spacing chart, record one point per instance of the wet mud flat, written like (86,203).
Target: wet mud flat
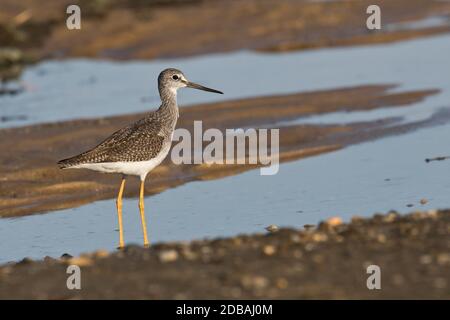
(31,182)
(126,29)
(328,261)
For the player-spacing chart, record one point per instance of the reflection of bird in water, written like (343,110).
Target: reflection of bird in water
(141,146)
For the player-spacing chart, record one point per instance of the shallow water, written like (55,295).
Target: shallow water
(345,183)
(62,90)
(361,179)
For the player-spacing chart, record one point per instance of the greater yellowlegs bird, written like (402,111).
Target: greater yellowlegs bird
(139,147)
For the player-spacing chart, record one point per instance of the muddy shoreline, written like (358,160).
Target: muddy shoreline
(123,29)
(32,183)
(327,261)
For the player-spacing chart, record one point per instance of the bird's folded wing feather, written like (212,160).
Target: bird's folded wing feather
(140,141)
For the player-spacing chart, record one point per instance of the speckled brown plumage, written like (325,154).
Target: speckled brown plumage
(142,140)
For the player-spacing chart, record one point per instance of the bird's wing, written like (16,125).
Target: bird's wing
(140,141)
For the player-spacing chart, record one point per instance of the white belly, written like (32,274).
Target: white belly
(135,168)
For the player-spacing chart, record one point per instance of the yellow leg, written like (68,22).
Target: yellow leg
(141,209)
(119,213)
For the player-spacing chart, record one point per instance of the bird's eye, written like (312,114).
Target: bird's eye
(175,77)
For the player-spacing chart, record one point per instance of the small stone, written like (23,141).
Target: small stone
(410,205)
(66,256)
(168,256)
(423,201)
(398,279)
(425,259)
(418,215)
(281,283)
(381,238)
(308,226)
(334,221)
(297,254)
(180,296)
(235,292)
(25,260)
(443,258)
(440,283)
(295,238)
(254,282)
(81,261)
(101,253)
(49,259)
(206,250)
(5,270)
(390,217)
(269,250)
(260,282)
(432,213)
(272,228)
(356,219)
(237,241)
(319,237)
(318,258)
(189,254)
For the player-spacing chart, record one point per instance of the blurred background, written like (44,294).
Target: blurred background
(359,111)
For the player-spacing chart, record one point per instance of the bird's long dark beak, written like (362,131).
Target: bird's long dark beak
(199,87)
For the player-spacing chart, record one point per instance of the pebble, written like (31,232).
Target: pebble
(319,237)
(440,283)
(189,254)
(432,213)
(398,279)
(101,253)
(390,217)
(237,241)
(425,259)
(334,221)
(81,261)
(297,254)
(255,282)
(423,201)
(295,238)
(168,256)
(443,258)
(235,292)
(272,228)
(25,260)
(206,250)
(49,259)
(381,238)
(356,219)
(269,250)
(282,283)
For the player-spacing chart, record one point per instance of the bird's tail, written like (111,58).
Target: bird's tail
(69,162)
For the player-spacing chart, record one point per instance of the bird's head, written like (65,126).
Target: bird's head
(174,79)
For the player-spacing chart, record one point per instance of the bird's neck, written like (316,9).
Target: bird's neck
(169,101)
